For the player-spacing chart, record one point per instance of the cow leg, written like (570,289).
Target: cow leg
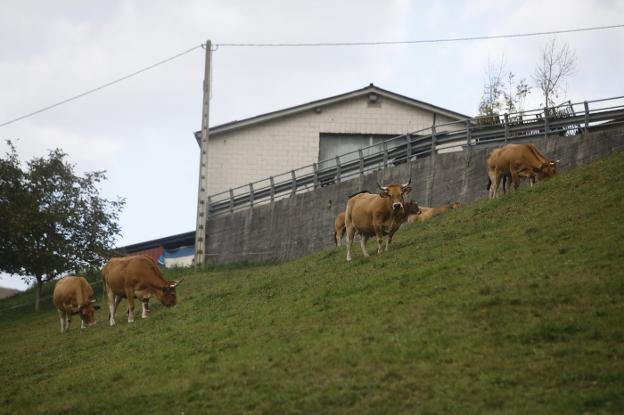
(379,237)
(113,308)
(130,297)
(82,324)
(389,240)
(67,320)
(363,240)
(494,180)
(350,234)
(62,319)
(145,306)
(515,180)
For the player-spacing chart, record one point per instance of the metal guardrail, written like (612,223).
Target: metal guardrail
(566,119)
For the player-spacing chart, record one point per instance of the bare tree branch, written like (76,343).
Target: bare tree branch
(556,65)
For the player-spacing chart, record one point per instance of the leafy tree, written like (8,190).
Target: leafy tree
(490,104)
(501,93)
(557,64)
(52,221)
(514,93)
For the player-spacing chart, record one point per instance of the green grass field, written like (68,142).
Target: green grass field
(509,306)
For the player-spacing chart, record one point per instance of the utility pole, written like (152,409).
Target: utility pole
(202,193)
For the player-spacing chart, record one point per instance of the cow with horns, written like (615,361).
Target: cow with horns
(378,215)
(133,277)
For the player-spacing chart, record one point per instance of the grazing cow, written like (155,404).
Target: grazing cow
(518,160)
(377,215)
(136,276)
(340,228)
(74,295)
(427,213)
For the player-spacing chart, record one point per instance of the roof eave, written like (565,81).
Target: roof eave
(329,101)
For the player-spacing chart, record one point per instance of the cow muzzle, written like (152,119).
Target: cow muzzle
(397,206)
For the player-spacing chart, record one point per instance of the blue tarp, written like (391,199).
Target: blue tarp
(181,252)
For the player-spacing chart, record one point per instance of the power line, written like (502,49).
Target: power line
(317,44)
(405,42)
(123,78)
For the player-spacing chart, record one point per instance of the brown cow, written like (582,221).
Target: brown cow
(136,276)
(377,215)
(340,227)
(74,295)
(518,160)
(427,213)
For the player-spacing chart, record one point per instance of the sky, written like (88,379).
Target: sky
(141,130)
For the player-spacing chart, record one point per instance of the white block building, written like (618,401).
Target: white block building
(245,151)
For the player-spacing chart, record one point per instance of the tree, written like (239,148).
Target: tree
(501,95)
(490,104)
(51,220)
(514,93)
(557,64)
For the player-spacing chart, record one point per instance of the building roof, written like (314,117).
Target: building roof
(168,242)
(332,100)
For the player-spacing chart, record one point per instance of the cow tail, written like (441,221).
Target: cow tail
(335,238)
(105,290)
(489,184)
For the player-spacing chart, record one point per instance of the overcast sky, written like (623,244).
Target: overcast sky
(141,130)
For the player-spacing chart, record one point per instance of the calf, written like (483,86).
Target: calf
(427,213)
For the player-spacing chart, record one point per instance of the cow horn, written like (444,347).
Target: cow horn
(176,283)
(384,188)
(408,183)
(93,301)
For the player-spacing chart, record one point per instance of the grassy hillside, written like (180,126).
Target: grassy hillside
(510,306)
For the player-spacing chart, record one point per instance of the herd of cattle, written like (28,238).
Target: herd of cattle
(367,214)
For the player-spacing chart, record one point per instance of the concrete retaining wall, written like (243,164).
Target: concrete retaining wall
(304,223)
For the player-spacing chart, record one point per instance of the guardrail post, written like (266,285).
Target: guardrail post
(506,128)
(251,195)
(385,156)
(338,169)
(294,182)
(432,166)
(434,140)
(272,188)
(408,154)
(468,133)
(231,201)
(546,123)
(586,104)
(316,180)
(361,162)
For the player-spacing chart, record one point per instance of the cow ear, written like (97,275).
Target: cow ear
(406,190)
(384,194)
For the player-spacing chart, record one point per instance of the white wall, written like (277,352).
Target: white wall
(266,149)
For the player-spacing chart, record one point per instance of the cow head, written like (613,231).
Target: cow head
(87,312)
(548,169)
(411,208)
(455,205)
(395,193)
(168,294)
